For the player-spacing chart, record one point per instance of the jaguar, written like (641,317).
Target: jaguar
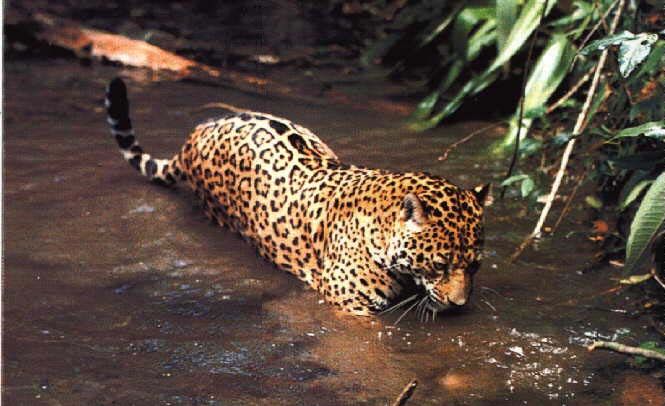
(358,236)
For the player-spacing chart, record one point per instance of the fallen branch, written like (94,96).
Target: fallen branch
(455,144)
(406,394)
(626,349)
(577,130)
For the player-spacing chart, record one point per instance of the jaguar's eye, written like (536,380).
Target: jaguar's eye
(440,266)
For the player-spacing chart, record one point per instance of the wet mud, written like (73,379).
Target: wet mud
(117,291)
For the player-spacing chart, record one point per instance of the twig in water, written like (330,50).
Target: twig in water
(577,130)
(406,394)
(221,105)
(568,202)
(626,349)
(455,144)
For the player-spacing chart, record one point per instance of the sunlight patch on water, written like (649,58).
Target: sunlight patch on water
(144,208)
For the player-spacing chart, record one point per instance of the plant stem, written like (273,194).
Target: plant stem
(568,202)
(570,92)
(520,116)
(595,27)
(577,130)
(626,349)
(406,394)
(455,144)
(654,273)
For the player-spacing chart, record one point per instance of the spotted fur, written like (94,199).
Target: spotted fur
(355,235)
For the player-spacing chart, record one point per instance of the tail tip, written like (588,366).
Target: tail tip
(117,88)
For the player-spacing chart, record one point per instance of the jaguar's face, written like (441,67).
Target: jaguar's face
(438,241)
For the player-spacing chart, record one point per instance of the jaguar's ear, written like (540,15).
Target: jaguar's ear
(483,194)
(413,213)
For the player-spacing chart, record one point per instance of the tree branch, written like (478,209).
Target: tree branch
(577,130)
(626,349)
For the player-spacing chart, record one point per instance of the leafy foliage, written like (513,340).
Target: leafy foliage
(649,219)
(634,49)
(461,49)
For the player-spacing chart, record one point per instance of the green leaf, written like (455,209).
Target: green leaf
(548,73)
(529,146)
(424,108)
(653,129)
(561,139)
(632,52)
(484,36)
(550,69)
(582,10)
(643,160)
(464,23)
(524,26)
(653,63)
(526,23)
(649,218)
(454,71)
(652,345)
(636,279)
(594,202)
(379,49)
(644,362)
(438,29)
(506,14)
(513,179)
(474,86)
(527,187)
(634,193)
(600,44)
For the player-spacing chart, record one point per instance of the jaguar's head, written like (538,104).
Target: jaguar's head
(438,240)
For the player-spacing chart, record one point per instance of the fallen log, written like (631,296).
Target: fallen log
(93,43)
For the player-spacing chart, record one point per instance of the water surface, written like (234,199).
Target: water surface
(117,291)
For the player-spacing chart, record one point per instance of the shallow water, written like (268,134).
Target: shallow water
(117,291)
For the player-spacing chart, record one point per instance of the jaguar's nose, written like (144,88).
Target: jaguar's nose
(457,300)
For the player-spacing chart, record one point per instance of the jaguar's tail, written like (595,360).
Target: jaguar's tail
(162,171)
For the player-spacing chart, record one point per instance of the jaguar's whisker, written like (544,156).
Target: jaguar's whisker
(398,305)
(427,313)
(421,308)
(392,266)
(405,313)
